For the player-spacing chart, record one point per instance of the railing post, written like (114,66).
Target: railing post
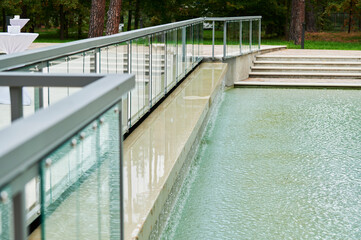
(130,57)
(165,63)
(184,44)
(240,36)
(177,56)
(213,33)
(250,35)
(150,70)
(16,100)
(97,60)
(121,190)
(225,39)
(259,33)
(20,216)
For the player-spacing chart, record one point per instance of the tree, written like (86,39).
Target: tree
(113,16)
(297,19)
(97,14)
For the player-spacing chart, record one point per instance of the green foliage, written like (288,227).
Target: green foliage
(275,14)
(314,44)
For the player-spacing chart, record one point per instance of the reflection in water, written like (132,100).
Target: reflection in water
(277,164)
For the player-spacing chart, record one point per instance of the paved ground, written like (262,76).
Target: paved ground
(41,45)
(309,52)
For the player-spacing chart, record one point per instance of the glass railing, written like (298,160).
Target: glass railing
(62,165)
(233,36)
(159,57)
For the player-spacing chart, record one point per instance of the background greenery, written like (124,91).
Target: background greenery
(67,20)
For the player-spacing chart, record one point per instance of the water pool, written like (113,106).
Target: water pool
(275,164)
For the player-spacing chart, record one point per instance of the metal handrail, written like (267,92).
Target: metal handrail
(16,60)
(232,18)
(27,141)
(43,131)
(226,20)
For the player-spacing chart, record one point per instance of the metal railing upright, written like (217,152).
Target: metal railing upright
(240,35)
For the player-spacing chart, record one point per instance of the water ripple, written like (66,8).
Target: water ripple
(277,164)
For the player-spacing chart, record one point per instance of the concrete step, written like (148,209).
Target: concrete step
(323,83)
(306,69)
(308,58)
(304,75)
(307,64)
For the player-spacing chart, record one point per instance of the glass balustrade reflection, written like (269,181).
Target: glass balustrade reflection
(245,37)
(81,180)
(233,38)
(181,34)
(255,35)
(189,48)
(171,63)
(140,66)
(158,67)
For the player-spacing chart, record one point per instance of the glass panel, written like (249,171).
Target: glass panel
(125,113)
(158,67)
(198,41)
(218,39)
(207,29)
(233,38)
(77,63)
(122,57)
(32,200)
(181,35)
(6,213)
(255,30)
(190,54)
(114,59)
(108,59)
(81,184)
(245,37)
(140,66)
(171,58)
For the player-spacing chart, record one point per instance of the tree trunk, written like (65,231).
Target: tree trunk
(287,20)
(310,17)
(66,26)
(62,22)
(136,15)
(4,19)
(297,18)
(80,24)
(97,14)
(130,16)
(350,18)
(113,16)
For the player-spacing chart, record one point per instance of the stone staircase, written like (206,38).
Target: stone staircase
(306,67)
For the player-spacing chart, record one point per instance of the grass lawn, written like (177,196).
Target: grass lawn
(52,36)
(321,40)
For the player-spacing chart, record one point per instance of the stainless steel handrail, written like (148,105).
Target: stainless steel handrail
(27,141)
(8,62)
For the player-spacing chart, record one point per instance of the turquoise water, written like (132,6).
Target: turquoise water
(275,164)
